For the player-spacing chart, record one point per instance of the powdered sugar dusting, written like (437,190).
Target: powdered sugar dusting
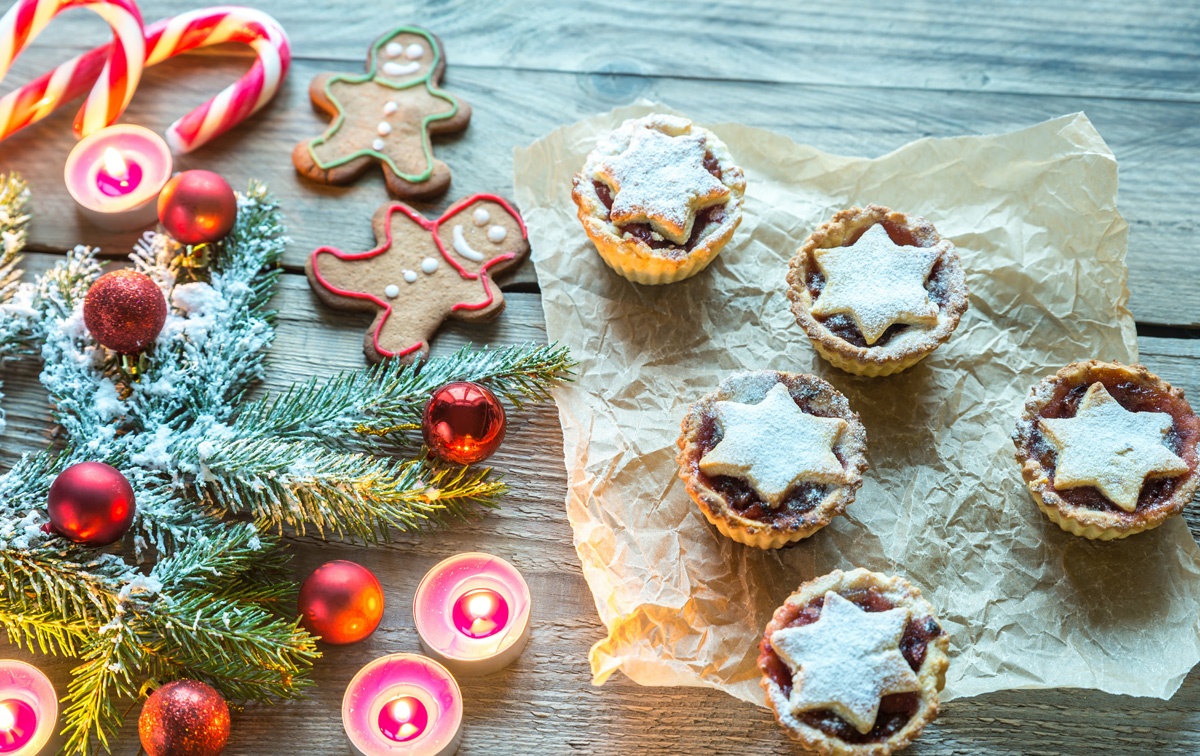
(877,283)
(846,661)
(657,175)
(773,445)
(1111,448)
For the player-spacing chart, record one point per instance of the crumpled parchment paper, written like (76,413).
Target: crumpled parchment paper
(1033,214)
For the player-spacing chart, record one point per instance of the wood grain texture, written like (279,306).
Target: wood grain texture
(855,78)
(1155,142)
(545,703)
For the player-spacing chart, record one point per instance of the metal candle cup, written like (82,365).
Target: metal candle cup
(28,709)
(472,613)
(115,176)
(403,705)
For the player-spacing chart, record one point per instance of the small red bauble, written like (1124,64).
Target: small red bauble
(125,311)
(184,718)
(463,422)
(341,601)
(197,207)
(91,503)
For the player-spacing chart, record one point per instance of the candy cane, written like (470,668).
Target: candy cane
(117,70)
(170,37)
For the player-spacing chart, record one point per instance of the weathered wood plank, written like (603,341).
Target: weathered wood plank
(545,704)
(1155,142)
(1107,48)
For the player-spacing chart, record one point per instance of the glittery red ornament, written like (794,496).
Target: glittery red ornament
(341,601)
(125,311)
(91,503)
(184,718)
(197,207)
(463,422)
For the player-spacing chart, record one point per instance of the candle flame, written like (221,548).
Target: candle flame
(481,605)
(114,165)
(402,710)
(8,719)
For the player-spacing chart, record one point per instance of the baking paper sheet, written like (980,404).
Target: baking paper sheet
(1033,214)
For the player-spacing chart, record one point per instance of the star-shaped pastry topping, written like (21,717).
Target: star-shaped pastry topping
(1111,448)
(774,444)
(661,180)
(846,661)
(877,282)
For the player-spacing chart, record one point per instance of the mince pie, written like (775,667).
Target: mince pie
(853,662)
(876,290)
(772,457)
(1108,450)
(659,198)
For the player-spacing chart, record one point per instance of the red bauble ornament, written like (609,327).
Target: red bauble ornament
(463,422)
(197,207)
(91,503)
(184,718)
(125,311)
(341,601)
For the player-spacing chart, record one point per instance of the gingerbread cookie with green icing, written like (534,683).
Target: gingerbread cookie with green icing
(422,272)
(386,116)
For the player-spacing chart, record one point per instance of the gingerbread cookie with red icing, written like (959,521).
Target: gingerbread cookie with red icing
(386,116)
(423,272)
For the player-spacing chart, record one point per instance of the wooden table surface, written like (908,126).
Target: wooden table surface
(851,77)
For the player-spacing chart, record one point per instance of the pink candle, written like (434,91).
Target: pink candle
(403,705)
(28,709)
(472,613)
(115,176)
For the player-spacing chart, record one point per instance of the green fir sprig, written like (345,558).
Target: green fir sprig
(203,593)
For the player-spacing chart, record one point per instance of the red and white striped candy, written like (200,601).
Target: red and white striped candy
(170,37)
(117,70)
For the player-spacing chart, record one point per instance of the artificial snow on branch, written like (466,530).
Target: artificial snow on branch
(203,593)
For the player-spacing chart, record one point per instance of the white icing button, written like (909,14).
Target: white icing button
(392,291)
(482,216)
(429,264)
(389,108)
(410,276)
(401,69)
(384,128)
(414,51)
(394,49)
(496,234)
(378,145)
(462,247)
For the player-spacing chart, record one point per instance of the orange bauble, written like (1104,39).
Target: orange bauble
(342,602)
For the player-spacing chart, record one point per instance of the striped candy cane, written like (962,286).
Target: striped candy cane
(170,37)
(116,74)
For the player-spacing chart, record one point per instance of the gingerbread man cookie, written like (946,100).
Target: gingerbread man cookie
(423,272)
(386,116)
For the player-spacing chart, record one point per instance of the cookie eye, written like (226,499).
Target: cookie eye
(414,51)
(482,216)
(496,234)
(393,49)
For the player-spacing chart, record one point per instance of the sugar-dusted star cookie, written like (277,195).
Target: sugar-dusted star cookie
(422,272)
(1111,448)
(773,445)
(386,116)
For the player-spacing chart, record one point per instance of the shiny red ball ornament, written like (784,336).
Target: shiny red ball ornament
(184,718)
(197,207)
(125,311)
(463,423)
(91,503)
(342,602)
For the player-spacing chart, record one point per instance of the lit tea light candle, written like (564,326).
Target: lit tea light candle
(403,705)
(472,613)
(28,708)
(116,174)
